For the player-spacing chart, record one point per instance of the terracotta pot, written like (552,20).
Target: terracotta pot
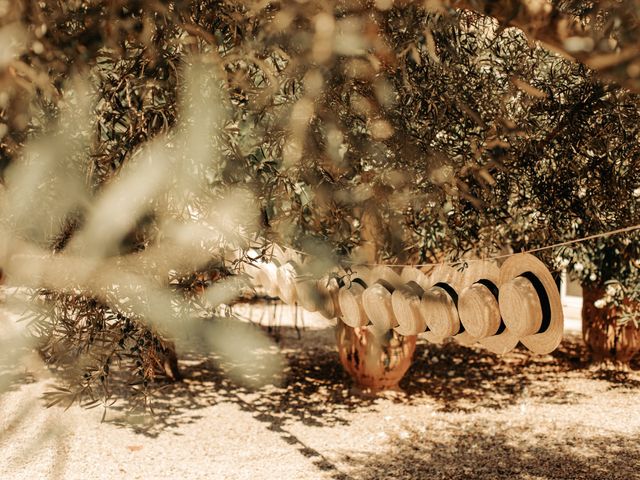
(374,363)
(606,340)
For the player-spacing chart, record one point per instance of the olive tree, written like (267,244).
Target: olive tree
(358,131)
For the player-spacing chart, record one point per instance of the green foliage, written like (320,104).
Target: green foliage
(420,134)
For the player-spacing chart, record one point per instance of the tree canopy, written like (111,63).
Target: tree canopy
(150,148)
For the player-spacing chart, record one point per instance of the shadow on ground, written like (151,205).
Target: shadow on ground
(499,451)
(13,367)
(315,391)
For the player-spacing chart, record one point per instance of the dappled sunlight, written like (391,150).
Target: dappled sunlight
(315,390)
(481,448)
(248,239)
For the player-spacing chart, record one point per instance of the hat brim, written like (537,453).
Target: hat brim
(412,274)
(405,302)
(454,280)
(386,273)
(307,294)
(520,264)
(328,289)
(376,301)
(432,337)
(286,276)
(350,300)
(502,342)
(269,279)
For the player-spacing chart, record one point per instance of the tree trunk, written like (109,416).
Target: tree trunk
(170,362)
(374,363)
(606,339)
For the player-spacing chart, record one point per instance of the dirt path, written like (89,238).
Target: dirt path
(465,414)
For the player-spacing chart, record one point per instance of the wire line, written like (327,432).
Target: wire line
(498,257)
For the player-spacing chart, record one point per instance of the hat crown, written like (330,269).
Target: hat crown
(520,307)
(479,311)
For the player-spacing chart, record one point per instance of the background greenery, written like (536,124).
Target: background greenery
(380,131)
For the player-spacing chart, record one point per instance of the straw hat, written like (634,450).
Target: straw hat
(426,282)
(439,302)
(252,270)
(412,274)
(350,300)
(479,311)
(328,289)
(530,303)
(286,276)
(439,305)
(386,273)
(405,302)
(267,277)
(360,271)
(376,299)
(307,294)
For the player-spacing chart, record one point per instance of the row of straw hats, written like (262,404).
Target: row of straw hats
(496,307)
(283,277)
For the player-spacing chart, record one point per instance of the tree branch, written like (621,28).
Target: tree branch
(606,38)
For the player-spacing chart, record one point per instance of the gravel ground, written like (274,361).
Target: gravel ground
(463,414)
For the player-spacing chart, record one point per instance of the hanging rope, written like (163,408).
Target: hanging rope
(499,257)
